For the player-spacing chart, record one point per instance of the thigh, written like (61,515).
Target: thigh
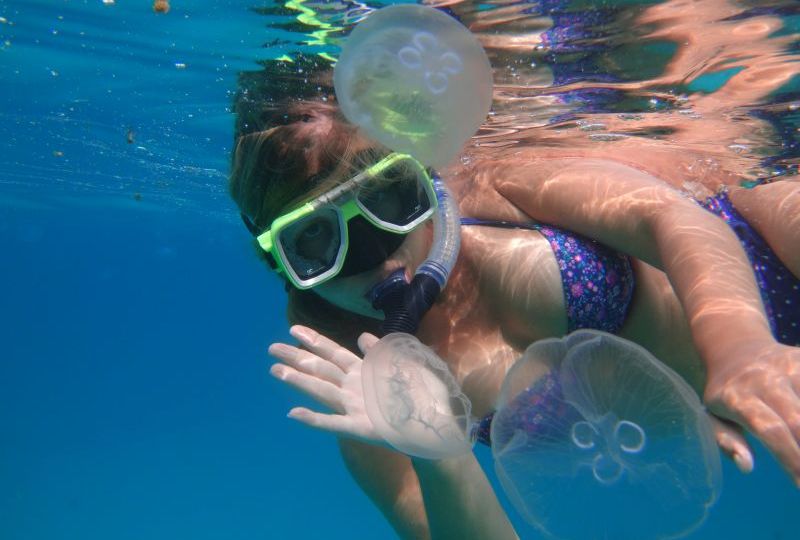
(773,210)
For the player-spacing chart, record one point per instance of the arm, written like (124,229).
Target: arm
(750,377)
(421,499)
(444,499)
(389,480)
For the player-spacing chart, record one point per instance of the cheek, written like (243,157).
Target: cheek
(416,247)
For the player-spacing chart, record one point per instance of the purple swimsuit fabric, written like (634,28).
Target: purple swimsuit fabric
(780,289)
(598,282)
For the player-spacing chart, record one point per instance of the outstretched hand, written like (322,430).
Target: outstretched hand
(761,392)
(330,374)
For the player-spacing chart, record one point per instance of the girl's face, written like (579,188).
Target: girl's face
(351,292)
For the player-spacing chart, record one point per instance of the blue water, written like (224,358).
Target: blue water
(134,318)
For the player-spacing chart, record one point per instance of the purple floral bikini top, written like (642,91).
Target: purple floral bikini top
(598,282)
(598,286)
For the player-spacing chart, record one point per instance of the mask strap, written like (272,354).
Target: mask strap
(250,225)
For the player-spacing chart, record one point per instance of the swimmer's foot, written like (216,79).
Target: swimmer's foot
(733,444)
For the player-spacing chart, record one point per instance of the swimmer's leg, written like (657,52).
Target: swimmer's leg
(773,210)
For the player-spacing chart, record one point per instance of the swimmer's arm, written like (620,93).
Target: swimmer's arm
(635,213)
(389,480)
(427,499)
(749,374)
(460,502)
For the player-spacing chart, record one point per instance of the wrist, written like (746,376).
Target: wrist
(729,355)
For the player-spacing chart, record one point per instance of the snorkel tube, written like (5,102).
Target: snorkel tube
(417,81)
(404,304)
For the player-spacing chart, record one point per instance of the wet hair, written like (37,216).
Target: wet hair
(291,144)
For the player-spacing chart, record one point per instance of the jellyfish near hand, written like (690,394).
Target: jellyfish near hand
(413,400)
(594,438)
(415,80)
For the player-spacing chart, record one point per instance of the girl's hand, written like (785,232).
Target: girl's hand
(760,390)
(331,375)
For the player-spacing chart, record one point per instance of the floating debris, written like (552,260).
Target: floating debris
(58,153)
(130,136)
(591,127)
(161,6)
(109,2)
(137,197)
(607,137)
(739,148)
(180,65)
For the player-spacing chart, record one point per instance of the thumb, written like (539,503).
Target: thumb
(732,442)
(366,341)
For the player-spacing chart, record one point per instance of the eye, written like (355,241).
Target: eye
(312,231)
(306,118)
(315,240)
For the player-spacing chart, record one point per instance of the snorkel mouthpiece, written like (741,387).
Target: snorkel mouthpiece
(404,304)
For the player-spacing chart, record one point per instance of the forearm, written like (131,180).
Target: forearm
(713,279)
(424,499)
(389,480)
(459,501)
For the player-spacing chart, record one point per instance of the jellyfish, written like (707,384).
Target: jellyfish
(413,400)
(594,438)
(415,80)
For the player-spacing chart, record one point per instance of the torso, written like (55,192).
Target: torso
(506,293)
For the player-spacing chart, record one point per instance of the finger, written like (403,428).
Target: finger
(784,400)
(732,442)
(324,347)
(770,428)
(324,392)
(307,362)
(333,423)
(366,341)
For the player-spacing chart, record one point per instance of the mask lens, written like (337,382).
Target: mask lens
(311,245)
(397,196)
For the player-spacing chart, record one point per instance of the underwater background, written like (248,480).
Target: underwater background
(134,315)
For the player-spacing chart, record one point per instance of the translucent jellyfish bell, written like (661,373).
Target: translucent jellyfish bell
(413,400)
(594,438)
(416,80)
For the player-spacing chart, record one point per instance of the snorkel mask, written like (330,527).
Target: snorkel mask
(309,245)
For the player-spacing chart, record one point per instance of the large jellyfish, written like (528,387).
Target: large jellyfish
(592,437)
(415,80)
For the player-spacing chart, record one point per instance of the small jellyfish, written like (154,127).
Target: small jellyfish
(413,400)
(594,438)
(415,80)
(161,6)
